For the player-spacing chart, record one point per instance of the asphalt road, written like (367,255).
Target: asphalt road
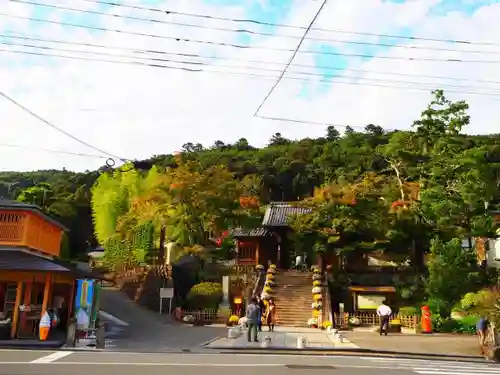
(16,362)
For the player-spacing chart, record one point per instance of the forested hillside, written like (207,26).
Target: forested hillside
(453,164)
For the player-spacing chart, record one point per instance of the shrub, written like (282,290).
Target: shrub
(205,296)
(408,311)
(470,300)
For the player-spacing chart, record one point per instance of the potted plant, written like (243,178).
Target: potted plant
(312,323)
(233,320)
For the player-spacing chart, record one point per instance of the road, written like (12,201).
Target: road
(13,362)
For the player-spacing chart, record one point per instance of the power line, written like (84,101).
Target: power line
(325,40)
(27,110)
(319,83)
(8,145)
(201,63)
(240,46)
(263,23)
(291,59)
(266,62)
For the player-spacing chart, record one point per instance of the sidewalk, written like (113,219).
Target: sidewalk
(434,344)
(284,338)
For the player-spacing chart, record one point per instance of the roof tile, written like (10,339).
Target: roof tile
(277,214)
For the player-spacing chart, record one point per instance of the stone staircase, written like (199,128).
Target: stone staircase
(293,298)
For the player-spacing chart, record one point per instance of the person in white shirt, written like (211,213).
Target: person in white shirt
(384,312)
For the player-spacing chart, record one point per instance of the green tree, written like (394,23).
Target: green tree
(453,272)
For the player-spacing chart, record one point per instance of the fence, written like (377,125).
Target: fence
(372,319)
(213,316)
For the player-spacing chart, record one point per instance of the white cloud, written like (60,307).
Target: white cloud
(135,111)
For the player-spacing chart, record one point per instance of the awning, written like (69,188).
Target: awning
(13,259)
(373,289)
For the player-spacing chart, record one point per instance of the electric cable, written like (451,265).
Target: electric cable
(241,46)
(324,40)
(201,63)
(263,23)
(430,86)
(60,130)
(48,150)
(266,62)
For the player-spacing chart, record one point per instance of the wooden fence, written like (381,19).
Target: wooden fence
(372,319)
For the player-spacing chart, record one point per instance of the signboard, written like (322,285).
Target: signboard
(369,301)
(166,292)
(83,302)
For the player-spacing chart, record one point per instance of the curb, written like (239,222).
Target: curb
(211,341)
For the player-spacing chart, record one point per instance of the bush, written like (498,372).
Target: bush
(448,325)
(205,296)
(408,311)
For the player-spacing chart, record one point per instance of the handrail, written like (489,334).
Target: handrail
(259,284)
(327,304)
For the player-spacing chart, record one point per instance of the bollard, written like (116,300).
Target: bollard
(339,338)
(71,334)
(266,342)
(234,333)
(301,342)
(100,339)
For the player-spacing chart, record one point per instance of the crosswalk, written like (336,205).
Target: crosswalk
(436,367)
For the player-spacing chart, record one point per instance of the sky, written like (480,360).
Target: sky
(162,90)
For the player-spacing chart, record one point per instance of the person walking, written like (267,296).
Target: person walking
(252,315)
(384,312)
(482,331)
(271,315)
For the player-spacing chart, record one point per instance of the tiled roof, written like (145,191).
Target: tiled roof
(15,259)
(15,205)
(277,214)
(257,232)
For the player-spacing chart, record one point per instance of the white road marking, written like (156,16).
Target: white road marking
(52,357)
(436,367)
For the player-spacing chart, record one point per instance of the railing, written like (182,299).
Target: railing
(327,304)
(372,319)
(213,316)
(259,284)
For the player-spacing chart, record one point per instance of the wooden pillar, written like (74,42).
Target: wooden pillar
(46,293)
(71,299)
(15,312)
(257,252)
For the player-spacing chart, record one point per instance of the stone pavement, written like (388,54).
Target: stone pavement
(434,344)
(284,338)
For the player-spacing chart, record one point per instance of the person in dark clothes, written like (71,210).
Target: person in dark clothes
(482,330)
(252,315)
(262,310)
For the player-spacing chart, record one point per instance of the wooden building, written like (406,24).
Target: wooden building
(269,243)
(32,278)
